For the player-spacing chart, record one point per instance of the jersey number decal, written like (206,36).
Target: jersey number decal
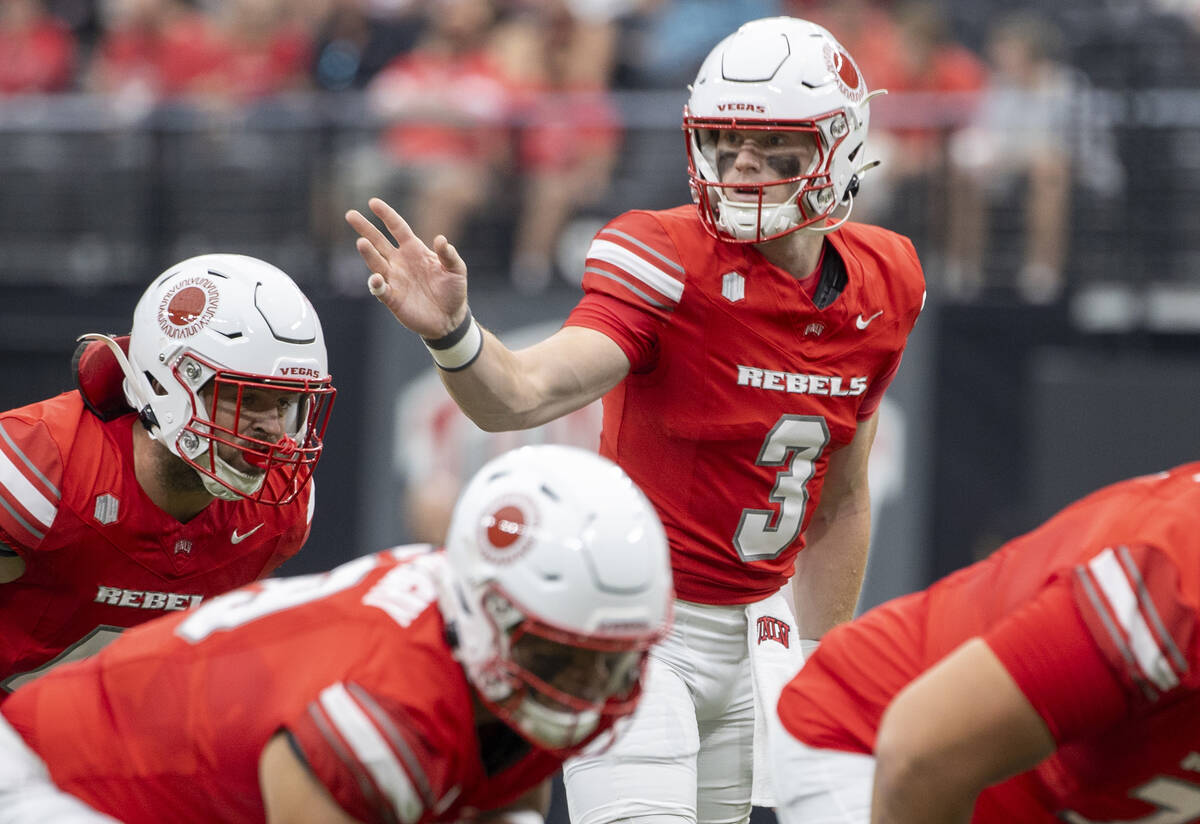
(271,596)
(88,645)
(795,442)
(1178,802)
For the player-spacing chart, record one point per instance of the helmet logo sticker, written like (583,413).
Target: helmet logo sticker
(505,534)
(843,68)
(187,307)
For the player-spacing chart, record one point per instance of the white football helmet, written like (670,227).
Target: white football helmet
(778,74)
(231,332)
(562,582)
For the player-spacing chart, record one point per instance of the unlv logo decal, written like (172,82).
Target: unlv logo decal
(772,629)
(504,536)
(188,307)
(843,68)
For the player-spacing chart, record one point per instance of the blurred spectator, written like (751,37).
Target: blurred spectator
(866,28)
(158,49)
(932,83)
(1036,136)
(561,62)
(672,37)
(258,48)
(129,59)
(355,39)
(448,102)
(37,51)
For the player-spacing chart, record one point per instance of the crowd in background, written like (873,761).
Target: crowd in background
(989,126)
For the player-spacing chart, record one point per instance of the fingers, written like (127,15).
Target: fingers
(371,256)
(391,219)
(369,233)
(448,255)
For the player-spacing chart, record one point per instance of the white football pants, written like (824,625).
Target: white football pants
(687,753)
(819,786)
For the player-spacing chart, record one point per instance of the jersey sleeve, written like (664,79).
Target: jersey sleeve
(375,758)
(1050,654)
(874,396)
(633,279)
(914,277)
(1107,640)
(1133,602)
(31,470)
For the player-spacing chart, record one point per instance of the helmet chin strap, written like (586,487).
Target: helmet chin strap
(822,230)
(554,728)
(132,391)
(244,483)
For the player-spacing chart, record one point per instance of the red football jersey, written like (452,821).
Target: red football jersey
(100,555)
(167,723)
(740,387)
(1095,616)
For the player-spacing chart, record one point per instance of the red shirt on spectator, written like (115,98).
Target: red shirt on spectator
(36,58)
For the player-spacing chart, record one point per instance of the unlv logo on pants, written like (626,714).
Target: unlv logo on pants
(772,629)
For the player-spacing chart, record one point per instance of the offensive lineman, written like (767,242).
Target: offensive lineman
(409,686)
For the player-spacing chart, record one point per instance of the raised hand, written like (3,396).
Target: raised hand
(426,289)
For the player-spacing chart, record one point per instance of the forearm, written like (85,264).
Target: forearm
(830,568)
(498,393)
(503,390)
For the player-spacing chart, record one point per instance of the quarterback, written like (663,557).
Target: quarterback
(410,686)
(1055,681)
(179,469)
(741,345)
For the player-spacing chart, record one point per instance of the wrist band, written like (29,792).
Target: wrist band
(458,349)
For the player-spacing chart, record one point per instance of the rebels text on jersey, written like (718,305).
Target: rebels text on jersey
(1095,615)
(100,555)
(167,723)
(740,388)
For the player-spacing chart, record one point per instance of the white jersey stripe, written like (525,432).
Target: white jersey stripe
(15,486)
(628,238)
(37,473)
(1123,602)
(655,302)
(370,748)
(637,266)
(1150,611)
(312,500)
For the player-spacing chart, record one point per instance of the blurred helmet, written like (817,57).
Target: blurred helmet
(778,74)
(562,582)
(226,355)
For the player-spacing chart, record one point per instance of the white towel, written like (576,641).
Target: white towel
(776,655)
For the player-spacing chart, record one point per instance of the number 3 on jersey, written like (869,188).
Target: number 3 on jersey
(794,443)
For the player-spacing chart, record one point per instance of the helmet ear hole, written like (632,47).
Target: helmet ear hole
(851,189)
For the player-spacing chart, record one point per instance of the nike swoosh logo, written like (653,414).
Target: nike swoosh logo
(862,323)
(237,539)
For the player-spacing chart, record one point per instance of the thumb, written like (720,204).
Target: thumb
(449,255)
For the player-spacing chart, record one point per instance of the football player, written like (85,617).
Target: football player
(742,345)
(410,686)
(1055,681)
(180,468)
